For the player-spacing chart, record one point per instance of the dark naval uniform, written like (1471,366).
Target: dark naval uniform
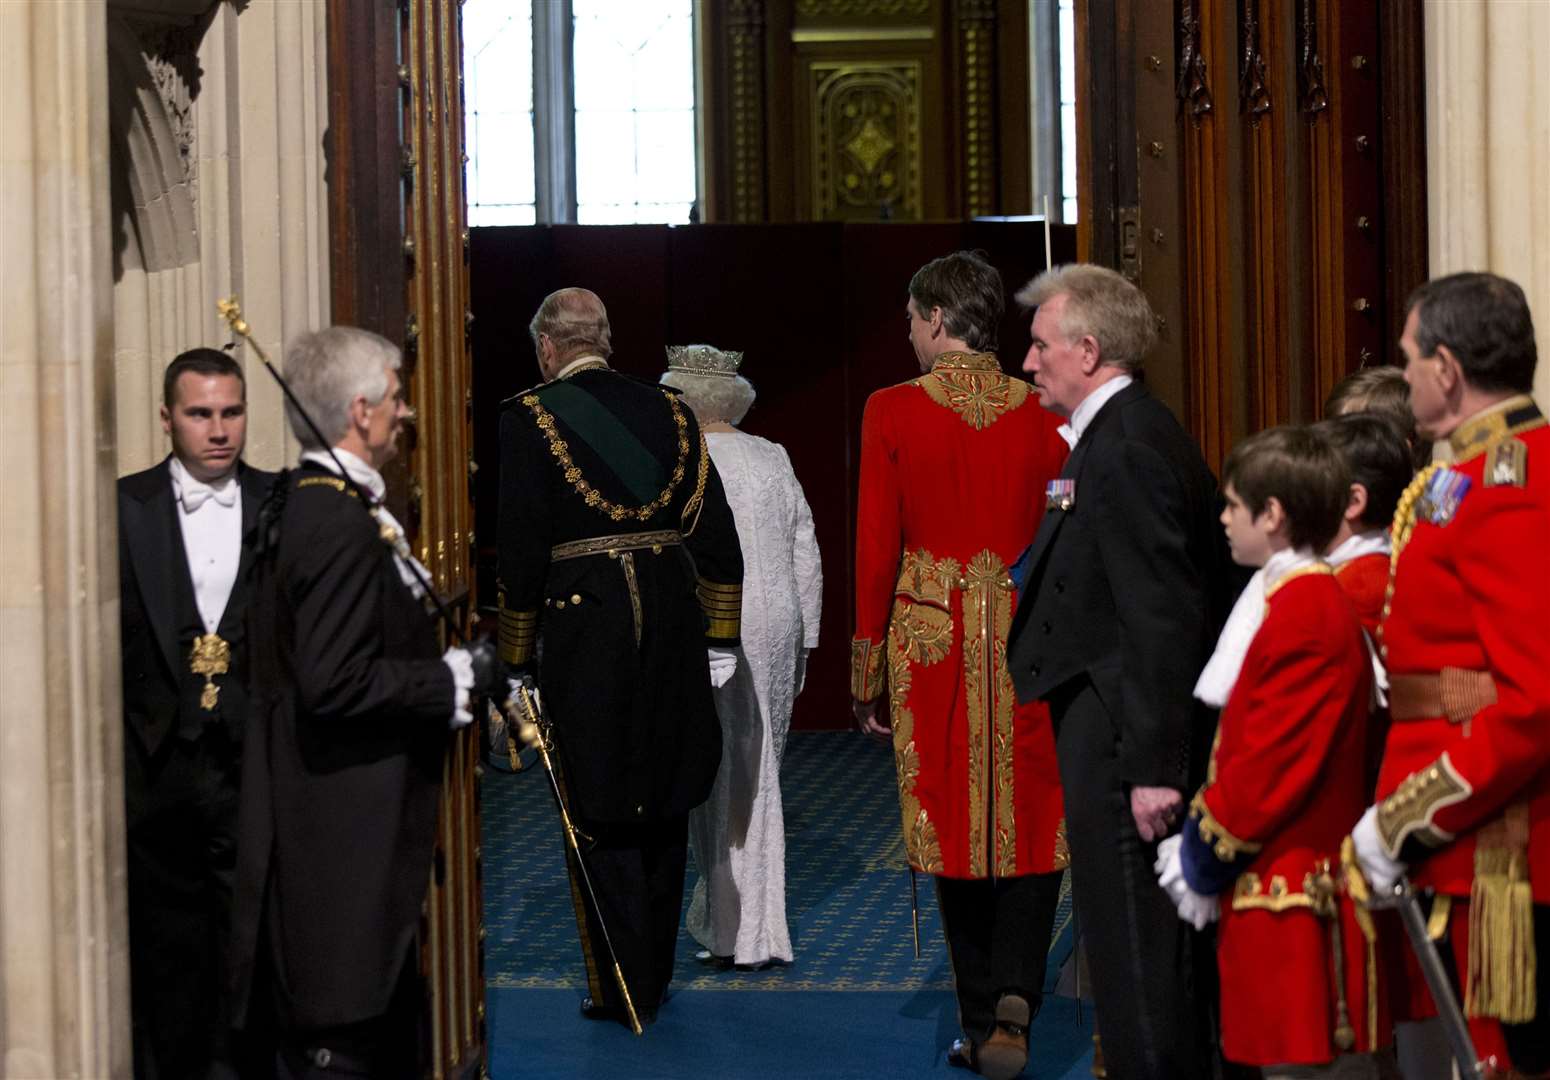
(182,761)
(619,565)
(341,786)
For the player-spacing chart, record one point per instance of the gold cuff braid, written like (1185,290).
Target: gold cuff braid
(723,607)
(866,669)
(1413,805)
(517,635)
(1224,845)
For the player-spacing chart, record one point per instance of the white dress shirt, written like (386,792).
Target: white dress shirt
(1083,414)
(210,518)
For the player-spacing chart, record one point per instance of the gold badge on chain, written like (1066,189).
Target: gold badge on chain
(211,657)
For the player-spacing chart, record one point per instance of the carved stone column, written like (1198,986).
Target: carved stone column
(217,136)
(1488,148)
(64,973)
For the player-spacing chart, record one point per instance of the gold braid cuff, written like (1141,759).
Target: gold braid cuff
(867,663)
(1411,808)
(1224,845)
(723,607)
(518,634)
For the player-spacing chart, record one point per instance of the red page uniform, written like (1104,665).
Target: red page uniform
(953,472)
(1464,788)
(1285,785)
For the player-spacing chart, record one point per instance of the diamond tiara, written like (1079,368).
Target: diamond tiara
(704,360)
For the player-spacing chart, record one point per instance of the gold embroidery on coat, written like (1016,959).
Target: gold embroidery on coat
(1062,846)
(926,579)
(1250,894)
(561,451)
(921,844)
(980,398)
(867,676)
(1224,844)
(924,634)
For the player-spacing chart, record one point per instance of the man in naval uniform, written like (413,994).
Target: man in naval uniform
(183,560)
(1464,788)
(954,464)
(619,568)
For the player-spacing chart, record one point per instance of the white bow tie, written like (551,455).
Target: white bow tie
(192,494)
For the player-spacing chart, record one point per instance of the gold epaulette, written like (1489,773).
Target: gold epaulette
(723,607)
(518,633)
(1511,417)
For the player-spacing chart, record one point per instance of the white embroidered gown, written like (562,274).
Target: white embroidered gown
(738,836)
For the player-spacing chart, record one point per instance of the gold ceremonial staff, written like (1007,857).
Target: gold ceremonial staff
(534,730)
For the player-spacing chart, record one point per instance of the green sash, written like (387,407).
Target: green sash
(589,420)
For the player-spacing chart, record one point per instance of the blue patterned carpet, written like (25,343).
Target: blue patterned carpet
(869,1007)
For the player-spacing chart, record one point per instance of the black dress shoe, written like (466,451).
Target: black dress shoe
(961,1055)
(591,1010)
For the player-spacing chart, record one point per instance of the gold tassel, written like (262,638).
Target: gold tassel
(1361,899)
(1501,923)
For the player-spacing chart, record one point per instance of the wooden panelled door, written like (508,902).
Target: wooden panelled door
(1258,167)
(399,242)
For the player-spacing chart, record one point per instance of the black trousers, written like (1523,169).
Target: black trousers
(637,872)
(181,813)
(998,932)
(392,1046)
(1153,977)
(1528,1044)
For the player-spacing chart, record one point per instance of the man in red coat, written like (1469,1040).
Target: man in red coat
(953,471)
(1464,790)
(1286,778)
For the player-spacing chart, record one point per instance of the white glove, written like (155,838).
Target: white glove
(722,666)
(1382,872)
(1193,908)
(462,667)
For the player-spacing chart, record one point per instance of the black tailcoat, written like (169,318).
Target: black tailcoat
(342,773)
(1127,589)
(181,770)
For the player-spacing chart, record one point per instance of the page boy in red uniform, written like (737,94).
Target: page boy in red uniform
(1261,847)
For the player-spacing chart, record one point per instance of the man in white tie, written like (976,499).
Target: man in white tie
(182,562)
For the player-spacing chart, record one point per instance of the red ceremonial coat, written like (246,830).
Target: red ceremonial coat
(953,472)
(1285,786)
(1460,793)
(1471,591)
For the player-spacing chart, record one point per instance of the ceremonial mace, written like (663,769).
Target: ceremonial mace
(533,730)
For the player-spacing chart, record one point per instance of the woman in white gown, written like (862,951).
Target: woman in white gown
(738,911)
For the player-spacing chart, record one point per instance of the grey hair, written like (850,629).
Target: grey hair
(713,397)
(330,368)
(1099,303)
(575,320)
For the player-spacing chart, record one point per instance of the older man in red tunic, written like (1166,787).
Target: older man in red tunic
(954,468)
(1464,790)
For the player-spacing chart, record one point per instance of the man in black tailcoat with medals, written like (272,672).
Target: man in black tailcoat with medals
(183,559)
(619,568)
